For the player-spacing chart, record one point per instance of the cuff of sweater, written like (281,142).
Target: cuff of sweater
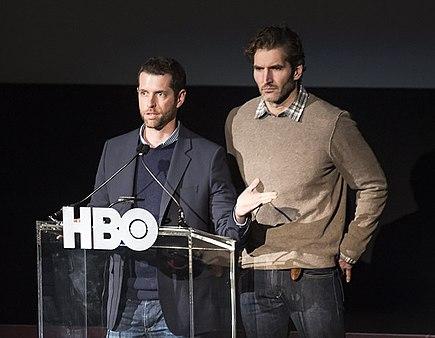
(347,259)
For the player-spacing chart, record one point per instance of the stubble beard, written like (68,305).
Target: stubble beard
(284,93)
(160,122)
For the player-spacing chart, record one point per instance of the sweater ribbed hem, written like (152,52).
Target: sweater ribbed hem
(286,260)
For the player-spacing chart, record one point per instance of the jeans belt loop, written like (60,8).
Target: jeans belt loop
(295,273)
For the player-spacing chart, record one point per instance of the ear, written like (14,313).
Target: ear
(181,97)
(298,72)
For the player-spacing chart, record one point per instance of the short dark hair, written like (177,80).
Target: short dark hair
(272,37)
(160,65)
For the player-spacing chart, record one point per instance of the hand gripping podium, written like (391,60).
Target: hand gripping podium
(81,292)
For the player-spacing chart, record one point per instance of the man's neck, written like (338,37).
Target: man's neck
(155,137)
(277,108)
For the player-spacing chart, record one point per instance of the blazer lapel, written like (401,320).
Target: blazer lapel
(179,162)
(125,185)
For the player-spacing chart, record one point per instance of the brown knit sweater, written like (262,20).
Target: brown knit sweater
(308,163)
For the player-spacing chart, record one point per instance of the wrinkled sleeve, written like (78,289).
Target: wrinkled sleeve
(362,172)
(223,199)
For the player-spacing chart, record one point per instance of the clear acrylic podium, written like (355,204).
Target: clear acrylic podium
(196,283)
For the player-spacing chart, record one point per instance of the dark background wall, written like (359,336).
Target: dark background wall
(67,73)
(386,43)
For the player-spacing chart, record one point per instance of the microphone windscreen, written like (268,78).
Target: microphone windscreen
(143,149)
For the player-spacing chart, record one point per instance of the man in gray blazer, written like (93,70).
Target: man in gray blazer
(141,299)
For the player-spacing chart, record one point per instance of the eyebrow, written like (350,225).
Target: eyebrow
(274,66)
(157,91)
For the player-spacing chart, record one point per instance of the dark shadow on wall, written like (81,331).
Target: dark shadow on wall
(396,292)
(404,253)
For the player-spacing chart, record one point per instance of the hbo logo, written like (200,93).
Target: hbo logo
(104,228)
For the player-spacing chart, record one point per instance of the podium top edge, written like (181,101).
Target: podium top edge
(163,231)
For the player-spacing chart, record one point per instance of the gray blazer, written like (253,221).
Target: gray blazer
(200,179)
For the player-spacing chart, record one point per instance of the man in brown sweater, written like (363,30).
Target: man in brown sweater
(308,151)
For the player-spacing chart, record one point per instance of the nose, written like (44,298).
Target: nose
(268,78)
(151,102)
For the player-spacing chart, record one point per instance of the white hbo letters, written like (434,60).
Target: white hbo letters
(104,228)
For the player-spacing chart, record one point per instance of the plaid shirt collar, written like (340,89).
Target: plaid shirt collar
(171,139)
(294,111)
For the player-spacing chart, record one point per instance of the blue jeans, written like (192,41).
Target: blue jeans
(141,319)
(269,299)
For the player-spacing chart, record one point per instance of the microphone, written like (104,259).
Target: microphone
(142,149)
(181,219)
(125,199)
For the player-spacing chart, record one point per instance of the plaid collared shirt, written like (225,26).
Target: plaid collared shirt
(171,139)
(294,111)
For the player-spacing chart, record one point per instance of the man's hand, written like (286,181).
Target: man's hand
(250,199)
(346,268)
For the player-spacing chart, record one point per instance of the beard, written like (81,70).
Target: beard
(279,95)
(159,121)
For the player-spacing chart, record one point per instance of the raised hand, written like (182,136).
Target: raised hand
(251,199)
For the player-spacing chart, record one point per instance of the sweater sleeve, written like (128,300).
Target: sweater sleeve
(359,167)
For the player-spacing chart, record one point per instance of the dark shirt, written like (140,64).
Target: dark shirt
(142,283)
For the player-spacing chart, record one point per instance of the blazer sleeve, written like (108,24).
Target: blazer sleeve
(222,199)
(101,197)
